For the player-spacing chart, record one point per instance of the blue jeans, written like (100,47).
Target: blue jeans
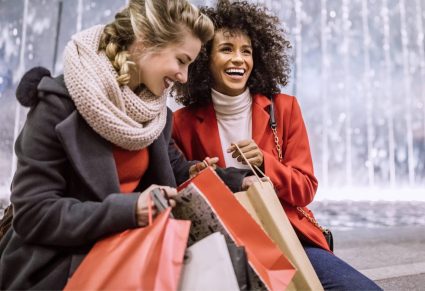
(335,274)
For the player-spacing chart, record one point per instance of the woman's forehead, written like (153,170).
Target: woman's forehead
(228,35)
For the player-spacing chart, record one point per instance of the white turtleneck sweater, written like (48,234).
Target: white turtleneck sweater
(234,116)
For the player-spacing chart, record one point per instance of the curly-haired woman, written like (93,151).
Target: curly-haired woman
(228,98)
(100,130)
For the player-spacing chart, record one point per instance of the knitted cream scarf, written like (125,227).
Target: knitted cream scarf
(127,120)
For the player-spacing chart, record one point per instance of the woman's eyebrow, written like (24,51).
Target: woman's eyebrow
(225,43)
(189,59)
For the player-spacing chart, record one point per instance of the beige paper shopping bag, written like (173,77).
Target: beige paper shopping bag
(261,201)
(264,206)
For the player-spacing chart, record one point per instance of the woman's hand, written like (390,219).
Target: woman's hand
(198,167)
(252,152)
(249,180)
(142,211)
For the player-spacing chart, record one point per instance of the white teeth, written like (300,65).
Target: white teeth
(235,71)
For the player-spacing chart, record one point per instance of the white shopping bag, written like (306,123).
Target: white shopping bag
(208,266)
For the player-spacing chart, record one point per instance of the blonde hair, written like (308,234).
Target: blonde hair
(155,23)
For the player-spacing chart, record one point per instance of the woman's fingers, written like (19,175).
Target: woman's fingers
(211,162)
(145,198)
(198,167)
(172,203)
(254,156)
(168,192)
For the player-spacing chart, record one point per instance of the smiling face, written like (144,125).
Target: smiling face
(231,62)
(160,68)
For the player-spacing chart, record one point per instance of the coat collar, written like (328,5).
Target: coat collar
(207,129)
(207,126)
(260,117)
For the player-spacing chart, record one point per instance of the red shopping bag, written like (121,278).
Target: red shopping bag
(211,206)
(149,258)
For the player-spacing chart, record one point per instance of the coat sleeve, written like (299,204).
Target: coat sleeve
(45,212)
(293,178)
(177,159)
(232,177)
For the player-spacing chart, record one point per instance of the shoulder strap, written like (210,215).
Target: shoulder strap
(272,121)
(273,126)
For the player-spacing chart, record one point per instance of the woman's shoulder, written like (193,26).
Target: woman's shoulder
(188,113)
(279,100)
(284,98)
(38,85)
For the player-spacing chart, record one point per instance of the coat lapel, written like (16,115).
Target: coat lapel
(90,155)
(260,118)
(207,128)
(159,171)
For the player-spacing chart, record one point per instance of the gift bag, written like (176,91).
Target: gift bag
(208,266)
(262,203)
(148,258)
(211,206)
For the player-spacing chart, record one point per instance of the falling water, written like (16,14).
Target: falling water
(421,49)
(298,45)
(407,93)
(324,93)
(80,10)
(348,130)
(387,93)
(19,72)
(368,94)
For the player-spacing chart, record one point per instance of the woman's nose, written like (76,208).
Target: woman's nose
(181,76)
(237,58)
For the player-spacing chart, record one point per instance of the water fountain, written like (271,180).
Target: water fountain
(359,75)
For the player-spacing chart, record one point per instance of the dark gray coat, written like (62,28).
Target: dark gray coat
(65,191)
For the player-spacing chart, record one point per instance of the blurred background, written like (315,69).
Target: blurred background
(358,73)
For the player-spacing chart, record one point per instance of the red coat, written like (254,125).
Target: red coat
(195,131)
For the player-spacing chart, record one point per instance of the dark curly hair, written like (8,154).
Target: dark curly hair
(271,51)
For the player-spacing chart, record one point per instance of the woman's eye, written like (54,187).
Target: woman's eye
(226,49)
(247,52)
(181,61)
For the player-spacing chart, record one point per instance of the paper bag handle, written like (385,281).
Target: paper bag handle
(251,167)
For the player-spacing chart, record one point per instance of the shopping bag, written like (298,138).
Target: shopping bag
(208,266)
(148,258)
(240,265)
(261,201)
(211,206)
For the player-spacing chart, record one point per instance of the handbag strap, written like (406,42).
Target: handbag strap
(312,220)
(273,126)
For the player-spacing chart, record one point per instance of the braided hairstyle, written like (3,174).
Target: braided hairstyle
(271,51)
(153,23)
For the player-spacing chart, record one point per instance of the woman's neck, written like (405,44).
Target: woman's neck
(231,105)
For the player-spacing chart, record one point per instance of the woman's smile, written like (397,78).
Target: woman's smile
(231,62)
(235,73)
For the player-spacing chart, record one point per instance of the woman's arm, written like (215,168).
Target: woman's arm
(293,178)
(45,213)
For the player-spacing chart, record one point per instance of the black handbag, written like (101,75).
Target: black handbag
(273,125)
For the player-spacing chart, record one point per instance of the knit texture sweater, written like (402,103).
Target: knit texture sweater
(234,117)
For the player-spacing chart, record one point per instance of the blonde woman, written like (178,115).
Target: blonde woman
(100,130)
